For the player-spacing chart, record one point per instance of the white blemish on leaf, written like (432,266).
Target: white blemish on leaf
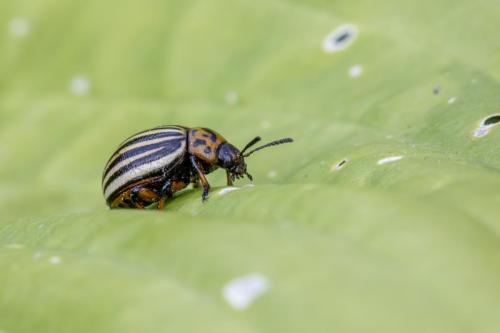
(389,159)
(19,27)
(452,100)
(480,132)
(55,260)
(272,174)
(265,124)
(14,246)
(232,97)
(340,38)
(355,71)
(285,225)
(37,255)
(228,189)
(240,293)
(249,185)
(80,85)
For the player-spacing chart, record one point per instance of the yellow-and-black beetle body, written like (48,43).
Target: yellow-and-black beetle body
(152,165)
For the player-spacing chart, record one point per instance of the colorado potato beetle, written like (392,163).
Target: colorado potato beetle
(150,166)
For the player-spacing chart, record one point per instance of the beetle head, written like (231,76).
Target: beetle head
(231,159)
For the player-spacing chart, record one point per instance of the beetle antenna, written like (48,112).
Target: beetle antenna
(250,144)
(272,143)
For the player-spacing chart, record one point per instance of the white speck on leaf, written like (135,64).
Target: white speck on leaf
(19,27)
(285,225)
(340,38)
(232,97)
(55,260)
(481,131)
(272,174)
(389,159)
(249,185)
(14,246)
(265,124)
(37,255)
(228,189)
(355,71)
(80,85)
(240,293)
(452,100)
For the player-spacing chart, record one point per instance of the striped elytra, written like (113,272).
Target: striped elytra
(143,155)
(150,166)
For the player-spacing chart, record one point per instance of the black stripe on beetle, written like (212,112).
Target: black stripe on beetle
(153,155)
(148,148)
(146,137)
(150,166)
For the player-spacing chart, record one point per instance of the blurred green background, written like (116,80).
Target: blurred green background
(405,244)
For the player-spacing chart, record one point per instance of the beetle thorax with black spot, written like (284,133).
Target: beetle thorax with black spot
(203,143)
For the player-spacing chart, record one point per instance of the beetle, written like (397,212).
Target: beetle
(150,166)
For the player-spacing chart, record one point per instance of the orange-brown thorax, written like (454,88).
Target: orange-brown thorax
(203,143)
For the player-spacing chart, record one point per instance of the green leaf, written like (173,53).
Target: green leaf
(382,216)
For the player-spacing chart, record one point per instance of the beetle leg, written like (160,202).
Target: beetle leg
(134,197)
(118,202)
(161,203)
(166,190)
(203,179)
(229,178)
(143,195)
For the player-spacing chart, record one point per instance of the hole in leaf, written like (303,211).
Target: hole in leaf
(339,39)
(485,126)
(493,120)
(339,165)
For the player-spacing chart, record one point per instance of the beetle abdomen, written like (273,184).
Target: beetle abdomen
(144,154)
